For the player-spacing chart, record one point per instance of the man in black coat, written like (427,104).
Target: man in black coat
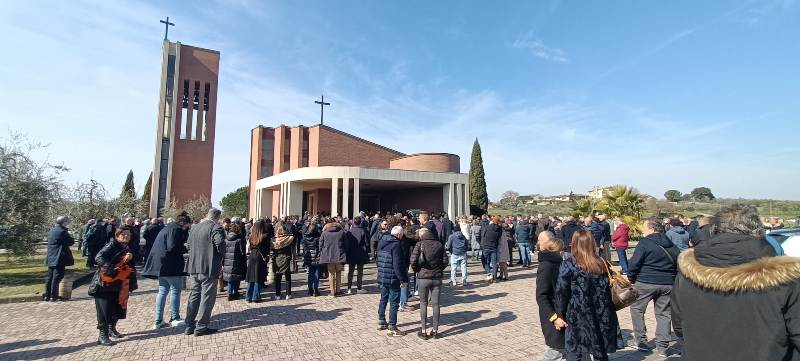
(58,258)
(357,251)
(165,263)
(701,233)
(567,230)
(96,238)
(652,271)
(447,228)
(150,233)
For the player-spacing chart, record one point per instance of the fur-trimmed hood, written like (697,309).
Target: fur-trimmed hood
(758,275)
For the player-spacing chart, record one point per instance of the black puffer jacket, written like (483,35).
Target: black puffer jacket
(311,247)
(735,300)
(234,263)
(427,258)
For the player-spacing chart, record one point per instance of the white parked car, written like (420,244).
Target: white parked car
(788,238)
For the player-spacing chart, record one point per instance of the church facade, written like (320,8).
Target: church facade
(319,169)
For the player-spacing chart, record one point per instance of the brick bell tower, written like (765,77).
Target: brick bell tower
(187,117)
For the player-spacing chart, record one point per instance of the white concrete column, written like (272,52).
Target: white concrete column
(334,197)
(356,196)
(451,200)
(468,209)
(294,205)
(282,200)
(462,199)
(459,200)
(345,197)
(285,208)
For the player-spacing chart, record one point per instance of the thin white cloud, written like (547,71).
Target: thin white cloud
(539,49)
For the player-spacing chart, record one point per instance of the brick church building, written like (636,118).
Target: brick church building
(319,169)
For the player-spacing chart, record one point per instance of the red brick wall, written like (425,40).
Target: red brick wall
(335,148)
(256,137)
(193,160)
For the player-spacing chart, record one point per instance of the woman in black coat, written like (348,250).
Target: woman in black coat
(115,262)
(311,256)
(583,302)
(257,256)
(546,278)
(427,261)
(234,262)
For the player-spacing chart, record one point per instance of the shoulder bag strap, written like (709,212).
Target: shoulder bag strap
(665,252)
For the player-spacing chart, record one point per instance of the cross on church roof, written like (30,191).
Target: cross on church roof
(167,24)
(322,105)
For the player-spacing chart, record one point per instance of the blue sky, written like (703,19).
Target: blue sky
(562,95)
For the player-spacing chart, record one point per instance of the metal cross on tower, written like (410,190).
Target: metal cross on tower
(322,105)
(167,24)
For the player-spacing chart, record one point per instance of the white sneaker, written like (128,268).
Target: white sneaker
(416,293)
(349,291)
(288,297)
(453,283)
(176,323)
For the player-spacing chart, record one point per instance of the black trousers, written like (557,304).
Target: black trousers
(277,281)
(108,309)
(54,277)
(93,250)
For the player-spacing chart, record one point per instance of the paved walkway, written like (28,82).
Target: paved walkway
(498,321)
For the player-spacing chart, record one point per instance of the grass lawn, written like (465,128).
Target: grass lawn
(26,276)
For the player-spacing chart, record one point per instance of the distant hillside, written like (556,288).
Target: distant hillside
(787,210)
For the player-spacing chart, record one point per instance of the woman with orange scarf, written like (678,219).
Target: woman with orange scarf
(114,279)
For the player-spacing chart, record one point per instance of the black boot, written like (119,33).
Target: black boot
(103,338)
(112,330)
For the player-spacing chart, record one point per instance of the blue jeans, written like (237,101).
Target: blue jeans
(409,289)
(490,262)
(172,284)
(233,288)
(456,261)
(390,294)
(525,253)
(313,279)
(253,291)
(623,260)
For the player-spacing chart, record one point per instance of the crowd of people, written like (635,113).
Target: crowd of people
(716,283)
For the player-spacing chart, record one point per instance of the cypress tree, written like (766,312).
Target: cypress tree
(478,199)
(127,188)
(147,186)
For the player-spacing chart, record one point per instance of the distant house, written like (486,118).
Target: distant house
(598,192)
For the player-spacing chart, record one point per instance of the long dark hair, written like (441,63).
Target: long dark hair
(584,250)
(256,233)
